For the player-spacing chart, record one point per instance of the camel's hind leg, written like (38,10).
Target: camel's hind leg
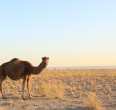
(23,88)
(28,84)
(2,78)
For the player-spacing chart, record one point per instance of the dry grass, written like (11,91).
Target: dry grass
(70,85)
(59,92)
(92,102)
(46,89)
(73,90)
(52,90)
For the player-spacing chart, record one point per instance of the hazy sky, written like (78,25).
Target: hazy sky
(70,32)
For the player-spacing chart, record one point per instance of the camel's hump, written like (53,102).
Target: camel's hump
(15,60)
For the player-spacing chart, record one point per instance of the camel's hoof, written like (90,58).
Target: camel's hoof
(30,96)
(24,98)
(4,98)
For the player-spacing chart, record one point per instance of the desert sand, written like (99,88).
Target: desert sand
(63,90)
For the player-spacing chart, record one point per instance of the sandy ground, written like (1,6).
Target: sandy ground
(76,83)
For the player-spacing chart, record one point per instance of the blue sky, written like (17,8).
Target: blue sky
(70,32)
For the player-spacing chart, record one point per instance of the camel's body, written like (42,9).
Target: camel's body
(17,69)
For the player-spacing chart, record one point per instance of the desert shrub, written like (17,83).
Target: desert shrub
(52,90)
(92,102)
(45,89)
(59,91)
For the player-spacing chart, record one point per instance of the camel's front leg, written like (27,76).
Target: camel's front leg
(23,88)
(28,84)
(2,78)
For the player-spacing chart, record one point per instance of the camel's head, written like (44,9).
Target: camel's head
(45,60)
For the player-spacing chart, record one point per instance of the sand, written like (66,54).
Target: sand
(76,84)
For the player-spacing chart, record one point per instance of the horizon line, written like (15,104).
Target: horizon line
(83,67)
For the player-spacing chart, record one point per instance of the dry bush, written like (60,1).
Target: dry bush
(92,102)
(52,90)
(59,91)
(72,90)
(45,89)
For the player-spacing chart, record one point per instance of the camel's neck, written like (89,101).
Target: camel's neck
(39,69)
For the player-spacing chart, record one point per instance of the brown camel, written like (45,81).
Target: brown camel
(17,69)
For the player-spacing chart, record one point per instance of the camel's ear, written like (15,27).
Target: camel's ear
(42,58)
(48,58)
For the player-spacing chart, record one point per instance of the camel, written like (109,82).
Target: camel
(16,69)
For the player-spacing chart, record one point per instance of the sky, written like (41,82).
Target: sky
(69,32)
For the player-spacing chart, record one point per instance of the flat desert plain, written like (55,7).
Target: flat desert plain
(63,90)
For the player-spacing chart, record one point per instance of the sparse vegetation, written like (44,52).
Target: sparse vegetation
(92,102)
(72,86)
(46,89)
(59,91)
(52,90)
